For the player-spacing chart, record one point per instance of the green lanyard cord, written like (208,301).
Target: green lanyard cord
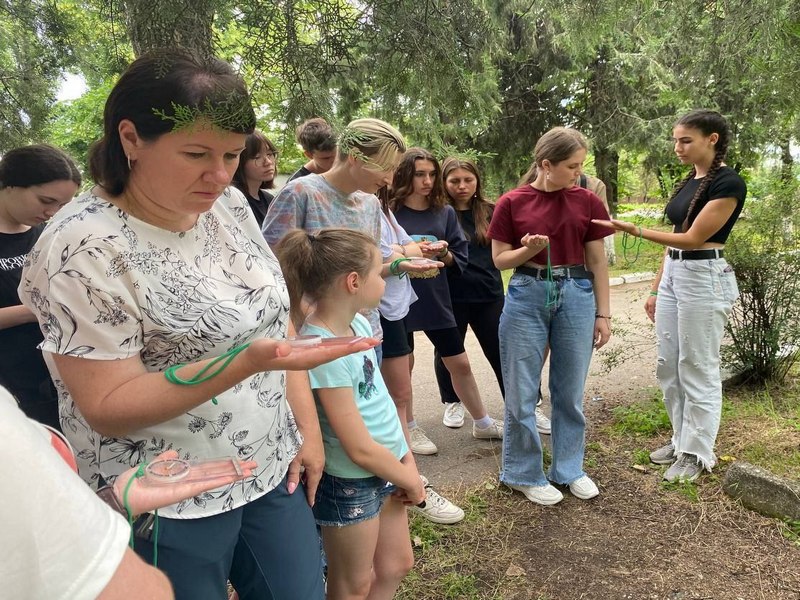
(552,293)
(631,243)
(140,473)
(201,377)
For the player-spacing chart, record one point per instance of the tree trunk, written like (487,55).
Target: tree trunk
(787,161)
(606,162)
(155,24)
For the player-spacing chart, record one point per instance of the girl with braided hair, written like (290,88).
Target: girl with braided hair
(694,292)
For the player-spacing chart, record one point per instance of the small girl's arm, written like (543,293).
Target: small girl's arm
(347,423)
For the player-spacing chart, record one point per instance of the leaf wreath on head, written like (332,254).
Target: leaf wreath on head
(350,139)
(233,112)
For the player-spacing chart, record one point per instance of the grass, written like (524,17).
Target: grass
(761,427)
(452,561)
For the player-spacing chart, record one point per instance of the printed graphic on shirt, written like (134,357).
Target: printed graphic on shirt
(367,387)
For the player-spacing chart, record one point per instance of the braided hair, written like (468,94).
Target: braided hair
(707,122)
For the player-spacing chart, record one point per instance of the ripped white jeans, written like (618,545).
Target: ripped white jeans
(694,301)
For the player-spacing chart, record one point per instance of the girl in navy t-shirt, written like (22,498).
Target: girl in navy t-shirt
(418,201)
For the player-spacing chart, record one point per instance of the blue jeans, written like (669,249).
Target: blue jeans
(694,300)
(526,327)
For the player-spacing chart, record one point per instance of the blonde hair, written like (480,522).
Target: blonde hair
(312,262)
(374,141)
(556,145)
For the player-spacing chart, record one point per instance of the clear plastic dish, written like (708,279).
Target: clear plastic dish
(174,470)
(304,341)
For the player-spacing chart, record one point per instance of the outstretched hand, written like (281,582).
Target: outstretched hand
(276,355)
(625,226)
(143,498)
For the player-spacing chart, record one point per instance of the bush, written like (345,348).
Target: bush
(764,250)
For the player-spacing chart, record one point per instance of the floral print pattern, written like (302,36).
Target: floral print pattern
(107,286)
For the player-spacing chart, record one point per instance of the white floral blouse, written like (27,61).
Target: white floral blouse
(105,285)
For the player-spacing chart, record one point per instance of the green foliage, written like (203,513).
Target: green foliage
(687,489)
(764,250)
(648,417)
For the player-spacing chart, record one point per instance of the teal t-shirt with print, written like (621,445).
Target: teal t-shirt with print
(359,371)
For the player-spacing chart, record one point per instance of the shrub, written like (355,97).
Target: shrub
(764,250)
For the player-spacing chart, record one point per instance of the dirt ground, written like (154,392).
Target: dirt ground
(637,540)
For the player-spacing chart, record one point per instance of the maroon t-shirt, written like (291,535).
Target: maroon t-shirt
(565,216)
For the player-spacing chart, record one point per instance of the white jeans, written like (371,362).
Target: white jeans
(694,300)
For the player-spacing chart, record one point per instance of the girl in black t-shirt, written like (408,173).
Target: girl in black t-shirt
(694,291)
(477,291)
(256,172)
(35,182)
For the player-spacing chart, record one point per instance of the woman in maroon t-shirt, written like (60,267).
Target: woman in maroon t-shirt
(559,296)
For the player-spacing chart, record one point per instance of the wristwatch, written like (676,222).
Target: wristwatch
(107,495)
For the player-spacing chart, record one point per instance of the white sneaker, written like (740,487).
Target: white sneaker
(453,415)
(492,432)
(438,509)
(420,444)
(546,495)
(584,488)
(542,422)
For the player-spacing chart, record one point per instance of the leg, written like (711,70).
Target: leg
(705,294)
(667,340)
(524,327)
(196,554)
(571,340)
(465,385)
(394,557)
(446,391)
(396,369)
(277,556)
(484,318)
(351,550)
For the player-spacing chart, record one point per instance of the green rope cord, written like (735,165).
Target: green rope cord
(140,473)
(552,292)
(201,377)
(627,245)
(394,268)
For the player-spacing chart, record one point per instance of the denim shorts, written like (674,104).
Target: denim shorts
(341,501)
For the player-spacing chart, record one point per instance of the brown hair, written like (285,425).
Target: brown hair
(556,145)
(481,207)
(36,165)
(254,144)
(312,262)
(403,182)
(155,92)
(706,122)
(315,135)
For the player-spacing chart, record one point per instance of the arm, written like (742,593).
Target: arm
(133,573)
(347,423)
(595,257)
(312,455)
(650,303)
(710,220)
(102,389)
(506,257)
(11,316)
